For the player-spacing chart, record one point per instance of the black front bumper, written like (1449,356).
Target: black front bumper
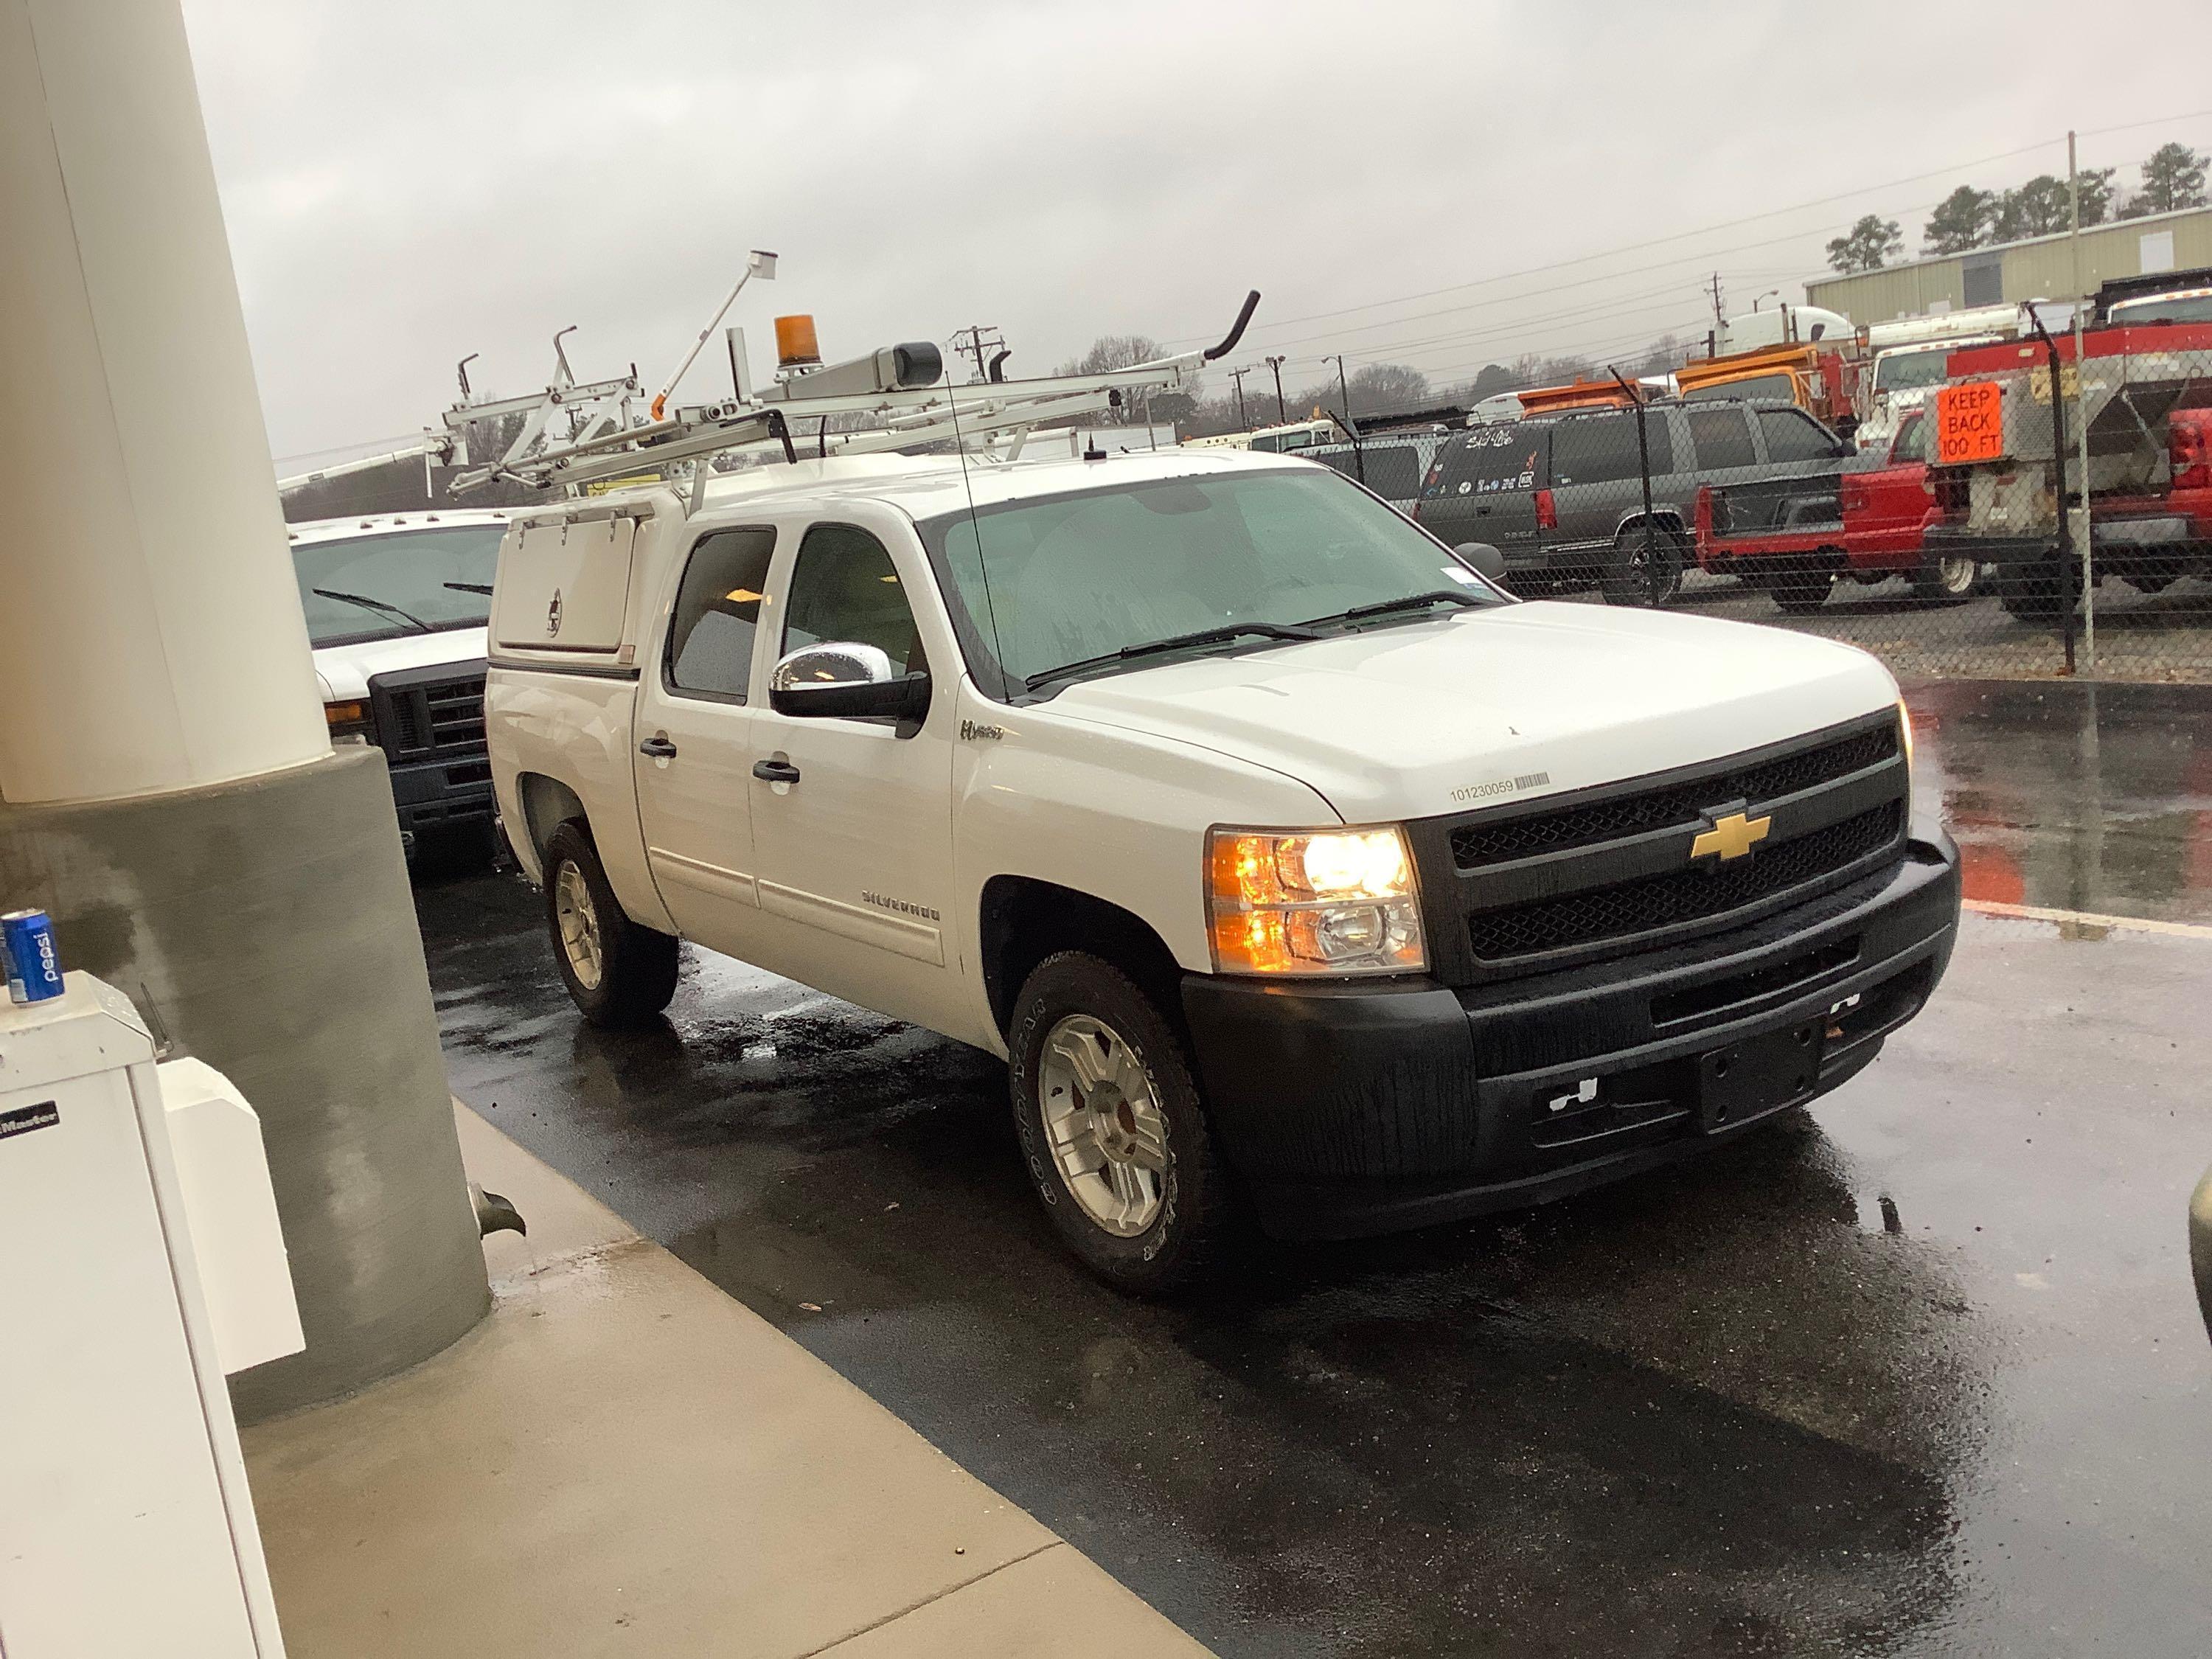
(440,794)
(1357,1108)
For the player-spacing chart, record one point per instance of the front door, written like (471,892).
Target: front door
(693,740)
(854,855)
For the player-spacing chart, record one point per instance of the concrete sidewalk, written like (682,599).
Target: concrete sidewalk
(623,1460)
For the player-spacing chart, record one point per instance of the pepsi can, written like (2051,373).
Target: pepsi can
(34,969)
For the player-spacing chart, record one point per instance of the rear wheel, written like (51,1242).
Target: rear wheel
(1645,569)
(1945,579)
(1113,1130)
(1801,584)
(618,973)
(2040,590)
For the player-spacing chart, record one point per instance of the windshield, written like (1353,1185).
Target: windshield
(1902,371)
(1779,387)
(2165,308)
(407,569)
(1062,579)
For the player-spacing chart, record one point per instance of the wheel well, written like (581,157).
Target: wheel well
(1666,518)
(1024,921)
(547,803)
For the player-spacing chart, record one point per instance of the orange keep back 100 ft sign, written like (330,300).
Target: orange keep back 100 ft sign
(1969,422)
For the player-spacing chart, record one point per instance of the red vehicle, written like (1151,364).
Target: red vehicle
(1797,536)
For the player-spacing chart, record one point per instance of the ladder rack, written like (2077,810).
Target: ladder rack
(900,389)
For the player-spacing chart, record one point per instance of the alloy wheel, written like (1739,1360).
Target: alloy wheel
(579,922)
(1103,1122)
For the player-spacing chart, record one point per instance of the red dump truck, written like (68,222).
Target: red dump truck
(1797,537)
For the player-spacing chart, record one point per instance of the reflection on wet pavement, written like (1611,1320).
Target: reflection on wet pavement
(1918,1371)
(2075,796)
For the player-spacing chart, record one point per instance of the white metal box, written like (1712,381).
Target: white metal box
(126,1529)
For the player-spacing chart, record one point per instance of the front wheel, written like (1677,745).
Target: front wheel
(1113,1131)
(618,973)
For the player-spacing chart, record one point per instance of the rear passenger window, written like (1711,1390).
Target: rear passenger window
(1490,459)
(1721,438)
(846,590)
(1911,443)
(1794,435)
(1603,449)
(710,637)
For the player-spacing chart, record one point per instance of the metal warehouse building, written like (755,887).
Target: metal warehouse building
(2041,267)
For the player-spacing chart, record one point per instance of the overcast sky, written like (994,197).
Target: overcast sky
(408,183)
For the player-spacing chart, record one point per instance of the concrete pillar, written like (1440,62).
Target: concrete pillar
(168,788)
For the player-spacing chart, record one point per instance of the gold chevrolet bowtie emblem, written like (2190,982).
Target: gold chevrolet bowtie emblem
(1731,836)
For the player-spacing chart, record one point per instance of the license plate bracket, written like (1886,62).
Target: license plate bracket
(1745,1079)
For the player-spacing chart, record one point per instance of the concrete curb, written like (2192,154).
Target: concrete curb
(623,1459)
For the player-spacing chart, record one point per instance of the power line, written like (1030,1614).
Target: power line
(1712,229)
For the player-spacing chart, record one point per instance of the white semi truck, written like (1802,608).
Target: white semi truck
(1295,869)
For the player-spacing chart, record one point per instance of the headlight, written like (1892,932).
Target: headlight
(1314,902)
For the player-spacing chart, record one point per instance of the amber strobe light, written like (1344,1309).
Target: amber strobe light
(1314,902)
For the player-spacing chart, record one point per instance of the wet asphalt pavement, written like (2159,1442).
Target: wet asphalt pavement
(1917,1371)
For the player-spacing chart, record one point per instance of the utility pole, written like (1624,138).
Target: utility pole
(1237,379)
(1344,397)
(1719,322)
(2082,536)
(1282,415)
(979,338)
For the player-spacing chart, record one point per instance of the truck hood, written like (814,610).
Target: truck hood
(1486,706)
(344,670)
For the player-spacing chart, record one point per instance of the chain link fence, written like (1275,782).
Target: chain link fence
(1940,546)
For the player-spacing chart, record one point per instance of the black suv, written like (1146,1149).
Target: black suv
(1562,495)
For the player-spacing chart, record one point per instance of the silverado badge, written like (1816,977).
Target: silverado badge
(1731,836)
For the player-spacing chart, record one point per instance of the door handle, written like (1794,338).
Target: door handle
(775,771)
(659,748)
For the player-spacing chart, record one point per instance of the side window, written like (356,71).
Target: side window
(710,637)
(1912,442)
(1603,449)
(1721,438)
(845,588)
(1794,435)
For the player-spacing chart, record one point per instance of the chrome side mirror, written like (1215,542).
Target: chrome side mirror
(847,680)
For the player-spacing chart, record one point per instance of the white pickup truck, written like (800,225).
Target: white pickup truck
(1294,867)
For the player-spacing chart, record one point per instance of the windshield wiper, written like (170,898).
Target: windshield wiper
(469,587)
(368,604)
(1411,602)
(1220,636)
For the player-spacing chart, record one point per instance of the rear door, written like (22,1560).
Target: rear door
(1483,489)
(1597,473)
(692,738)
